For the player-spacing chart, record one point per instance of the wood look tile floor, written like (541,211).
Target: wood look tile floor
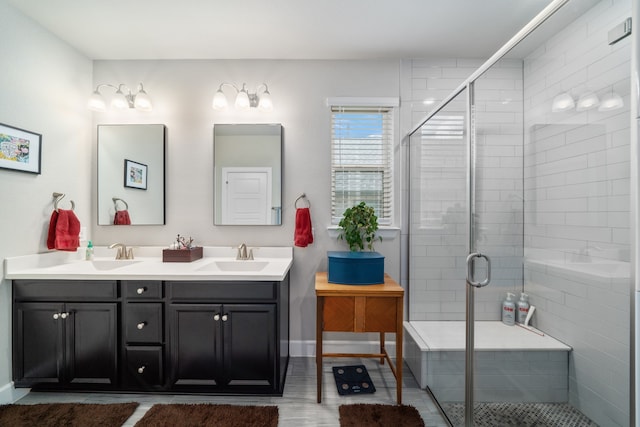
(297,406)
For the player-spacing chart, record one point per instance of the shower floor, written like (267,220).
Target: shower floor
(520,415)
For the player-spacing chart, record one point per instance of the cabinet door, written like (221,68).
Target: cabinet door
(38,350)
(249,344)
(91,337)
(195,344)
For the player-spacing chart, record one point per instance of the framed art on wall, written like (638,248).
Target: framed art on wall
(20,149)
(135,174)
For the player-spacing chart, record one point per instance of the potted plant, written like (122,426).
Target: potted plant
(357,266)
(359,225)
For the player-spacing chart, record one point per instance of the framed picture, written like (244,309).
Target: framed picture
(135,174)
(20,149)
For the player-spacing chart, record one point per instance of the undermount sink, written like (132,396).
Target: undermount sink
(236,265)
(111,264)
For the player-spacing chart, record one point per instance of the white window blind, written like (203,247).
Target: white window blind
(362,160)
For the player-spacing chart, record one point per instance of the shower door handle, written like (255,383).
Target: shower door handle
(470,270)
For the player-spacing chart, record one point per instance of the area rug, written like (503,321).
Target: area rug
(353,380)
(376,415)
(66,414)
(202,415)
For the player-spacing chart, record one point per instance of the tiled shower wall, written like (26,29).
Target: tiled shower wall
(577,208)
(438,195)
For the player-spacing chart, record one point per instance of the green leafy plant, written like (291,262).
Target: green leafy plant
(359,225)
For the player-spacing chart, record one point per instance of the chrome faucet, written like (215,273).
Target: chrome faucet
(123,252)
(242,253)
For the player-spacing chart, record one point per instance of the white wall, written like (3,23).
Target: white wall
(43,88)
(182,92)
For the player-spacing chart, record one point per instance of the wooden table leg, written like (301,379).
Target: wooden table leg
(399,335)
(382,348)
(319,309)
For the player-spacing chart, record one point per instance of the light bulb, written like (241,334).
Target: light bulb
(562,102)
(587,101)
(265,104)
(611,101)
(96,102)
(219,101)
(142,101)
(242,100)
(119,101)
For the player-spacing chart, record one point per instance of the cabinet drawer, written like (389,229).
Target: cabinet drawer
(359,314)
(221,291)
(144,365)
(57,290)
(142,289)
(143,322)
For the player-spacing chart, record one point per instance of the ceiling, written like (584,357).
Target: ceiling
(282,29)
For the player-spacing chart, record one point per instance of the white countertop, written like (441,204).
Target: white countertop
(218,263)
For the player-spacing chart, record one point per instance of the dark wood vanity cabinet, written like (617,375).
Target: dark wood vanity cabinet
(64,336)
(153,336)
(228,336)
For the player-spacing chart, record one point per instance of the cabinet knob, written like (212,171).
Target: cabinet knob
(56,316)
(140,291)
(142,325)
(141,369)
(224,317)
(216,317)
(64,315)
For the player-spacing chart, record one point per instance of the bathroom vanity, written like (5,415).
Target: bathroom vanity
(215,325)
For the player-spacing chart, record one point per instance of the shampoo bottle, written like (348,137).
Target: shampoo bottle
(523,308)
(509,310)
(89,253)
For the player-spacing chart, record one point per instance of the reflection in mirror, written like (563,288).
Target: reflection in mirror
(247,174)
(131,161)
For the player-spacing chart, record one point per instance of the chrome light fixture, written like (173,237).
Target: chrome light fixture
(121,101)
(562,102)
(611,101)
(245,100)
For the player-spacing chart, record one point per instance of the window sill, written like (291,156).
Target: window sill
(386,232)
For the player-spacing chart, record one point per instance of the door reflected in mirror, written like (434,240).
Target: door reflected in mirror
(247,174)
(131,174)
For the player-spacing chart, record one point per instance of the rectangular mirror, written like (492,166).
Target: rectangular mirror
(131,169)
(247,174)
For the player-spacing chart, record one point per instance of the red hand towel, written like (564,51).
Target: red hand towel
(122,218)
(51,237)
(67,231)
(303,234)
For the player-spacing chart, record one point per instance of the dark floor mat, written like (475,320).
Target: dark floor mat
(353,380)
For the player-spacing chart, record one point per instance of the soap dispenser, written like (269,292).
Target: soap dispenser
(89,253)
(509,310)
(523,308)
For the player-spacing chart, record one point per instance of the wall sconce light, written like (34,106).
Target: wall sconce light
(562,102)
(244,99)
(587,101)
(611,101)
(121,101)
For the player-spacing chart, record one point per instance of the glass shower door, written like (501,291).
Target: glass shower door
(439,241)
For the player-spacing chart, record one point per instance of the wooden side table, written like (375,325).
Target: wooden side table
(360,308)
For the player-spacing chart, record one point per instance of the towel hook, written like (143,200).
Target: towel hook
(58,197)
(115,203)
(302,196)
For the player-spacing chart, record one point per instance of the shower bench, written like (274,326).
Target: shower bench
(512,364)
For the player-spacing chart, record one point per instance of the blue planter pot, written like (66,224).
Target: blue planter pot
(355,268)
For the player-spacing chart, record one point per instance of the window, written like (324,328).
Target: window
(362,160)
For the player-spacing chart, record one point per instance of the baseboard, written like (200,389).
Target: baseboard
(307,348)
(10,394)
